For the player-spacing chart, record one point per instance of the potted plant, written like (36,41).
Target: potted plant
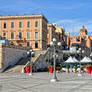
(82,69)
(89,68)
(58,69)
(28,68)
(75,69)
(67,67)
(50,67)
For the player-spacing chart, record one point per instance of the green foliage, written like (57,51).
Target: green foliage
(58,68)
(50,66)
(68,67)
(75,67)
(28,65)
(88,66)
(82,68)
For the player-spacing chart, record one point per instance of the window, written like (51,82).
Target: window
(20,24)
(36,44)
(4,24)
(12,35)
(20,35)
(36,34)
(28,35)
(28,44)
(36,24)
(28,24)
(12,24)
(4,36)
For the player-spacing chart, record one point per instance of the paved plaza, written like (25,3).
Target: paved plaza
(40,82)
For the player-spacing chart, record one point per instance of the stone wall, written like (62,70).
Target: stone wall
(10,55)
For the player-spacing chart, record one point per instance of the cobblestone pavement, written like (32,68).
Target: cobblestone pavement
(40,82)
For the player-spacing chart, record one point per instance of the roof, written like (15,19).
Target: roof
(23,16)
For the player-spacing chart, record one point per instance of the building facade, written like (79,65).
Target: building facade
(83,40)
(51,33)
(61,36)
(26,30)
(56,32)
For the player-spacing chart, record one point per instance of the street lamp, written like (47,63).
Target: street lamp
(91,55)
(80,52)
(30,53)
(53,43)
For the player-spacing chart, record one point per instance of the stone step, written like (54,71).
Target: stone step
(16,69)
(19,66)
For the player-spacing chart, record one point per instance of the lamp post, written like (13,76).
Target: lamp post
(80,52)
(30,53)
(91,55)
(53,43)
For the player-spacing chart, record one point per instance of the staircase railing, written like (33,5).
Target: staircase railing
(41,57)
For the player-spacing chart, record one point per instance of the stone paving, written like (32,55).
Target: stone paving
(40,82)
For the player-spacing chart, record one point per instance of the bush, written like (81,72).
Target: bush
(58,68)
(88,66)
(75,67)
(82,68)
(50,66)
(68,67)
(28,65)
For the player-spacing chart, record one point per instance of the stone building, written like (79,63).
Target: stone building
(51,33)
(66,36)
(25,30)
(57,32)
(61,35)
(83,40)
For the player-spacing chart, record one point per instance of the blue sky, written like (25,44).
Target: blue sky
(71,14)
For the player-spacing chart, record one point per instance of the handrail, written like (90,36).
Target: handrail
(37,58)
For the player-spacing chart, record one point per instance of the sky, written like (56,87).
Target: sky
(71,14)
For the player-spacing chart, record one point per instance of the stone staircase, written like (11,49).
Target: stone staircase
(39,61)
(15,69)
(18,68)
(37,54)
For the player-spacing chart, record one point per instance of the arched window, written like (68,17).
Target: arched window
(36,44)
(12,24)
(36,24)
(28,24)
(4,36)
(20,24)
(28,44)
(28,35)
(12,35)
(20,35)
(36,35)
(4,24)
